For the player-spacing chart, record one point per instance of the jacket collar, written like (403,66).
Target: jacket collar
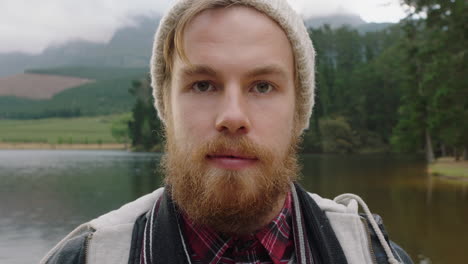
(165,241)
(318,228)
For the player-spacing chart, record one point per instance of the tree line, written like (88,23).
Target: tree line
(399,89)
(434,110)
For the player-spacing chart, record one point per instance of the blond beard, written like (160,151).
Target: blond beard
(226,200)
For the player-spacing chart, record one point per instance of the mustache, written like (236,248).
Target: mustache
(239,145)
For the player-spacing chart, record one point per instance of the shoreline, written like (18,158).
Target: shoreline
(24,146)
(448,168)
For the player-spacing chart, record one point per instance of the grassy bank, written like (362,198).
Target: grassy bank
(86,131)
(448,167)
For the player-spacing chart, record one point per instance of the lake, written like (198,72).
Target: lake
(44,194)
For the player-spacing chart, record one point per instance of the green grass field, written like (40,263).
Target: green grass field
(83,130)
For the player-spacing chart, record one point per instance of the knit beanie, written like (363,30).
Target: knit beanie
(278,10)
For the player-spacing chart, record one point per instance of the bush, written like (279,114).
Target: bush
(337,135)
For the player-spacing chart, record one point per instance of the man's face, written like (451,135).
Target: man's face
(231,118)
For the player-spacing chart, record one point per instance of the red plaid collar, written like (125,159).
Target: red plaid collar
(272,244)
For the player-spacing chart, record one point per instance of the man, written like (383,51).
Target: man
(233,83)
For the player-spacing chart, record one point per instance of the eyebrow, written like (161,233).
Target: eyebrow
(198,70)
(268,70)
(272,69)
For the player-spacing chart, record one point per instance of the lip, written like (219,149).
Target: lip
(231,160)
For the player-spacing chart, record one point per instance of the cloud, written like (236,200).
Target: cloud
(369,10)
(308,8)
(31,26)
(28,25)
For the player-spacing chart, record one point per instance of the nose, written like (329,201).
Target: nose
(232,115)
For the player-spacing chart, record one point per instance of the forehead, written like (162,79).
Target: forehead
(236,38)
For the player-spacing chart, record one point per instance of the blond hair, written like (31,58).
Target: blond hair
(175,41)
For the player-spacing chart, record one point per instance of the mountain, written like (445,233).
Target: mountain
(131,47)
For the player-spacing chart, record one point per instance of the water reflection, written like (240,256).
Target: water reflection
(422,213)
(45,194)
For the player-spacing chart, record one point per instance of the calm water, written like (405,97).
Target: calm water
(45,194)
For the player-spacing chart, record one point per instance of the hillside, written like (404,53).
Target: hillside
(109,94)
(38,86)
(130,47)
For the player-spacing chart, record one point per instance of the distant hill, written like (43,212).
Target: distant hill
(130,47)
(37,86)
(109,94)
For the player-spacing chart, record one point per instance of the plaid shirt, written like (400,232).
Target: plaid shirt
(272,244)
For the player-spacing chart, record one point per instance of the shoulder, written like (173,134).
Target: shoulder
(400,254)
(108,229)
(71,249)
(343,214)
(128,213)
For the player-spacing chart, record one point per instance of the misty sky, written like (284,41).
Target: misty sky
(30,25)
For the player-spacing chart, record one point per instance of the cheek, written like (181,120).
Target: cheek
(191,118)
(275,122)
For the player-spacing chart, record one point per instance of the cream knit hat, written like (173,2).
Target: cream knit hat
(278,10)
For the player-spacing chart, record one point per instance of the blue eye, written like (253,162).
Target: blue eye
(202,87)
(263,87)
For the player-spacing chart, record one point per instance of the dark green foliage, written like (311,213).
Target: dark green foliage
(357,88)
(120,128)
(434,104)
(145,128)
(337,136)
